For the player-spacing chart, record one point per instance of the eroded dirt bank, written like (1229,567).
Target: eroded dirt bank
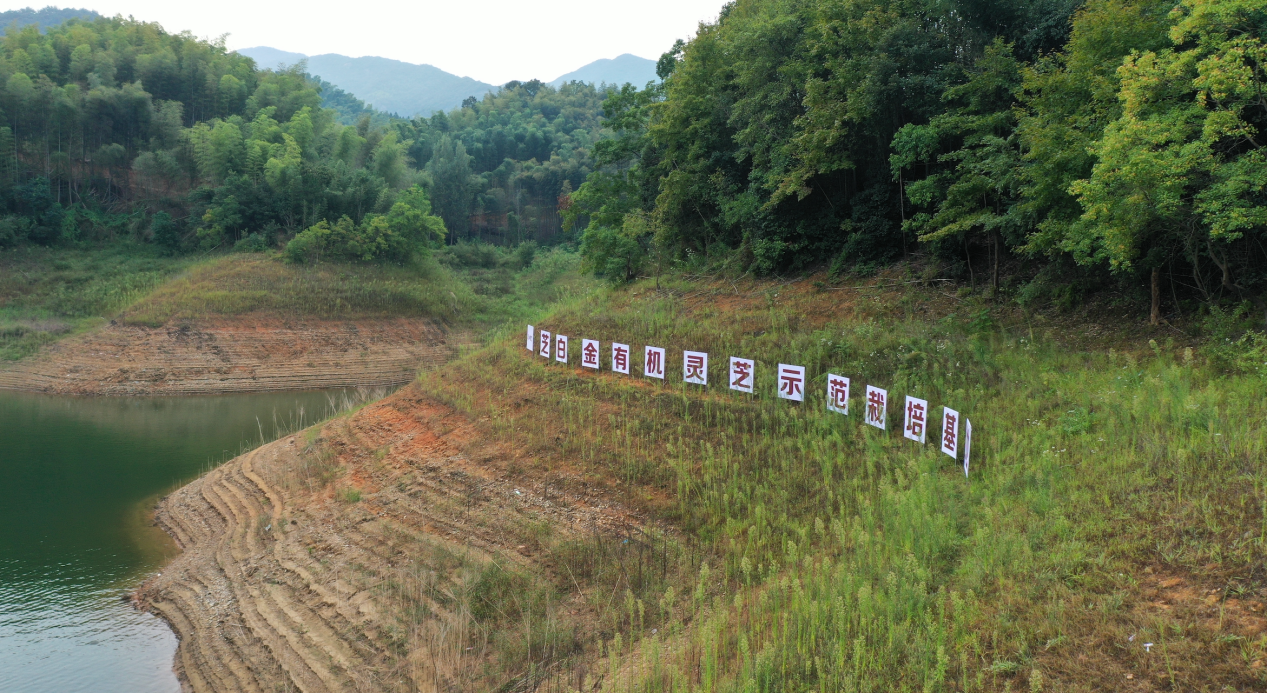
(346,558)
(241,354)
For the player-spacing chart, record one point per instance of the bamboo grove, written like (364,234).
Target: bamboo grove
(114,128)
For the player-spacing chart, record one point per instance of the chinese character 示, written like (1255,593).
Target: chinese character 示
(741,374)
(589,353)
(916,419)
(620,358)
(838,394)
(531,341)
(653,362)
(877,406)
(791,382)
(950,432)
(695,367)
(545,344)
(561,349)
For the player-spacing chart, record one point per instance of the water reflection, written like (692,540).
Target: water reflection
(79,476)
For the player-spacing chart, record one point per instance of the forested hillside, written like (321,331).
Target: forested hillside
(1081,144)
(115,128)
(45,17)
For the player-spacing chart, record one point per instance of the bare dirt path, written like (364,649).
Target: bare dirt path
(242,354)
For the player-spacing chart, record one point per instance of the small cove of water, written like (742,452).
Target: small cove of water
(78,477)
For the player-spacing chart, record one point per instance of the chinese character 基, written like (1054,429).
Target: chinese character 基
(950,432)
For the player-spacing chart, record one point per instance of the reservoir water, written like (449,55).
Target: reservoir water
(78,480)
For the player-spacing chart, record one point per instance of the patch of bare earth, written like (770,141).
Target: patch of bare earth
(344,559)
(240,354)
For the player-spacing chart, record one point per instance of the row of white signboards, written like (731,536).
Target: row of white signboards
(742,376)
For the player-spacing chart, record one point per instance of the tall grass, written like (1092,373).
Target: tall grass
(810,552)
(46,294)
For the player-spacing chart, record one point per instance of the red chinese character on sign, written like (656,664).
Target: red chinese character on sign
(589,354)
(653,362)
(837,393)
(695,367)
(916,418)
(877,405)
(620,358)
(950,432)
(791,381)
(741,374)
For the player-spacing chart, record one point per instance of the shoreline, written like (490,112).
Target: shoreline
(235,355)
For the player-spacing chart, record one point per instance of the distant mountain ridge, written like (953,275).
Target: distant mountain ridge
(44,18)
(406,89)
(387,85)
(623,68)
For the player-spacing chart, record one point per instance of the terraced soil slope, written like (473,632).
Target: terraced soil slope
(240,354)
(346,558)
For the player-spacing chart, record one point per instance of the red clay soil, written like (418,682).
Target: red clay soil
(332,560)
(241,354)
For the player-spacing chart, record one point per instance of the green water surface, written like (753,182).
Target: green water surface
(78,481)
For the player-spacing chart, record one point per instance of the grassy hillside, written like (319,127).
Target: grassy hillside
(46,294)
(1110,537)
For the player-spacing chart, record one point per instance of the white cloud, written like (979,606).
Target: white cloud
(491,40)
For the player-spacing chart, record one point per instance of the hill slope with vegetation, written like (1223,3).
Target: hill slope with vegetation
(514,523)
(1047,148)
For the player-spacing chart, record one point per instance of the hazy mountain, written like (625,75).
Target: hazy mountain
(388,85)
(618,70)
(49,16)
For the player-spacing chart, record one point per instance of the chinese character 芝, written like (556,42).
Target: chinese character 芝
(741,374)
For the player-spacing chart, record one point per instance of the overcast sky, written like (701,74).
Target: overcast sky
(494,41)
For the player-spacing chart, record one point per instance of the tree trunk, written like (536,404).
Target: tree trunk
(1154,317)
(994,281)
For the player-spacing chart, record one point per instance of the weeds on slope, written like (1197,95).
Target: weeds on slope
(810,552)
(46,294)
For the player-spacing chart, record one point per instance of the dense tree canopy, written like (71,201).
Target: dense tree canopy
(115,127)
(1119,136)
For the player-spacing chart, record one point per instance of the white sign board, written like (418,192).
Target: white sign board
(653,362)
(877,407)
(916,428)
(792,382)
(695,367)
(741,374)
(620,358)
(561,349)
(589,353)
(838,394)
(532,342)
(950,432)
(967,444)
(545,344)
